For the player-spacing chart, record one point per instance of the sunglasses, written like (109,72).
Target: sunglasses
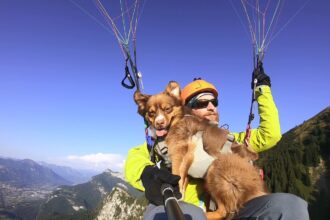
(203,103)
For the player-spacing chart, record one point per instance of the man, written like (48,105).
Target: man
(202,98)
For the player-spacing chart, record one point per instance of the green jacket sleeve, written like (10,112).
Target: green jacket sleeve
(269,132)
(137,159)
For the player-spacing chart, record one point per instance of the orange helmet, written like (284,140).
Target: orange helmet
(196,87)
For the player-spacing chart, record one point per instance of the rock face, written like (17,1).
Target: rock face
(122,206)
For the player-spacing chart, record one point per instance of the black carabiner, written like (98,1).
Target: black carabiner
(129,77)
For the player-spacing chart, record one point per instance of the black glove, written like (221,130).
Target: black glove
(152,179)
(260,75)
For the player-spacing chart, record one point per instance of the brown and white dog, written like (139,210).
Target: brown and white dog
(230,180)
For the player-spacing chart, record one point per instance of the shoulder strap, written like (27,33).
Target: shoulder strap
(227,146)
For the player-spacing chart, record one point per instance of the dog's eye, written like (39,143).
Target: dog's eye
(151,114)
(168,109)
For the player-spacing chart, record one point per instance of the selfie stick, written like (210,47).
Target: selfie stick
(172,207)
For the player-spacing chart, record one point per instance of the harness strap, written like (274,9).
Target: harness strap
(162,150)
(202,160)
(227,146)
(151,139)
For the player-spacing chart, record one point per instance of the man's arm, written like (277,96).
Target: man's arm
(137,159)
(269,132)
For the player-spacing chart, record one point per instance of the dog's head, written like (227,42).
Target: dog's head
(161,110)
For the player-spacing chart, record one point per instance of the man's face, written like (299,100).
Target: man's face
(204,108)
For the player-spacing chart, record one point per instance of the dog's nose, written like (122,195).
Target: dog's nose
(160,121)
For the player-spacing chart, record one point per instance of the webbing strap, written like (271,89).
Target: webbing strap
(202,160)
(227,146)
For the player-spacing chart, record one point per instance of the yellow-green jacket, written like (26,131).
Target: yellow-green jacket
(262,138)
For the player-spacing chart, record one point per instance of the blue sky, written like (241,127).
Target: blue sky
(60,71)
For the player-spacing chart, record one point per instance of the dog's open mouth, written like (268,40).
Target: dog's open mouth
(161,132)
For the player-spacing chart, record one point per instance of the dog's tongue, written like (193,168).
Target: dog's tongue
(161,133)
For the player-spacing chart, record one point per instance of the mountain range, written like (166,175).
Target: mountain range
(31,190)
(300,164)
(73,175)
(28,173)
(106,194)
(26,184)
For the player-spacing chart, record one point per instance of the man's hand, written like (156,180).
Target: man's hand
(260,75)
(152,179)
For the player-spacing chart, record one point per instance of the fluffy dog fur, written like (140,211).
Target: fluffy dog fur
(231,180)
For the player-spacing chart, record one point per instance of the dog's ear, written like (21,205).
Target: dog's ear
(173,89)
(141,100)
